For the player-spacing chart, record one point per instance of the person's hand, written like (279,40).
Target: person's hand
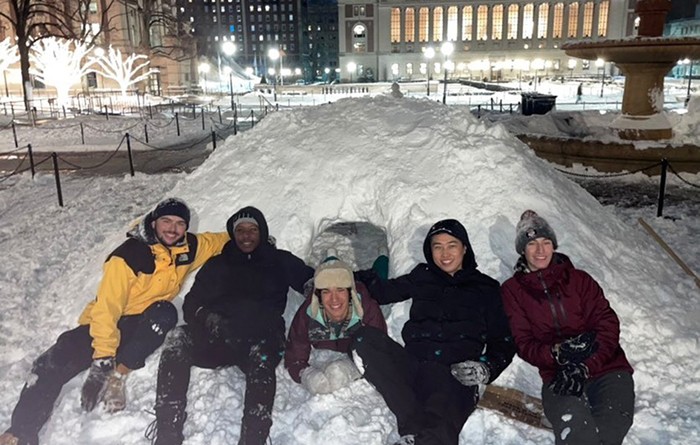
(575,349)
(315,381)
(470,373)
(569,380)
(341,373)
(100,369)
(218,327)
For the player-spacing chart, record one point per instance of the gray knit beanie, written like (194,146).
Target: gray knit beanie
(530,227)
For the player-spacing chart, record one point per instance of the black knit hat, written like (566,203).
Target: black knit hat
(530,227)
(171,206)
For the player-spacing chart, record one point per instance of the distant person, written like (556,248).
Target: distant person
(564,326)
(456,338)
(126,322)
(336,307)
(234,318)
(579,92)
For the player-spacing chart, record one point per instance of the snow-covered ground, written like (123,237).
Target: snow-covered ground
(399,164)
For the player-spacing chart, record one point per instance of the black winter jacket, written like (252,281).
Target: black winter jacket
(249,290)
(452,318)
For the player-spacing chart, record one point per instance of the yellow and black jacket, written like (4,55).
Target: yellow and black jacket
(140,272)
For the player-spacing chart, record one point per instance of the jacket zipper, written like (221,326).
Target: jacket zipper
(555,317)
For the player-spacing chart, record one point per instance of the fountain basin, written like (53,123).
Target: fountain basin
(644,61)
(637,50)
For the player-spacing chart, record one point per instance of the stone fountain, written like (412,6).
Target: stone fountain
(644,60)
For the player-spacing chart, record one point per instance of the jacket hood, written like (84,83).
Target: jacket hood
(456,229)
(249,212)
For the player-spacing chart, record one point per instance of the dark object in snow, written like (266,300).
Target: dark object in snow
(516,405)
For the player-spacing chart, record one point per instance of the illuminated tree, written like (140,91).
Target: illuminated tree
(60,63)
(34,20)
(123,71)
(8,54)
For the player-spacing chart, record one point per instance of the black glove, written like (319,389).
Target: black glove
(218,326)
(575,349)
(100,369)
(367,276)
(569,380)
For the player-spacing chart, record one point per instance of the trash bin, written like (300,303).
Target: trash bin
(536,103)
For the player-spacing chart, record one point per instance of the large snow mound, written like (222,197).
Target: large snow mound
(401,164)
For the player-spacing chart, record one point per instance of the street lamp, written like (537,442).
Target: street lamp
(446,50)
(600,64)
(352,66)
(204,69)
(538,64)
(428,53)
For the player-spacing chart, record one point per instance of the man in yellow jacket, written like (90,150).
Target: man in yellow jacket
(125,323)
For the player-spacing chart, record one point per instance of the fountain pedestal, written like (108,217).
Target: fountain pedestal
(644,60)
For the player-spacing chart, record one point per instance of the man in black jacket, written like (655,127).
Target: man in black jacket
(456,338)
(234,317)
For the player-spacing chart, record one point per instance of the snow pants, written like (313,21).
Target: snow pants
(256,357)
(601,416)
(72,353)
(426,399)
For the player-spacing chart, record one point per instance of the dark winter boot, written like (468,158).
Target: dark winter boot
(167,428)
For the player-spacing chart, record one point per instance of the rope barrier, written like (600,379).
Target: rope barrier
(16,170)
(186,147)
(612,175)
(5,153)
(79,167)
(679,177)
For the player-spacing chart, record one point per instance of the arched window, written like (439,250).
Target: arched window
(588,19)
(410,25)
(603,13)
(482,18)
(395,25)
(573,20)
(359,38)
(467,17)
(437,24)
(423,14)
(558,30)
(497,22)
(452,23)
(542,18)
(513,22)
(528,20)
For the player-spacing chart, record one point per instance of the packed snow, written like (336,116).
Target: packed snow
(399,164)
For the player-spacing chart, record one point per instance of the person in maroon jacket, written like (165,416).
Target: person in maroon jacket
(332,312)
(564,326)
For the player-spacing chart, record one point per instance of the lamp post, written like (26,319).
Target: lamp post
(274,54)
(204,69)
(428,53)
(271,74)
(446,50)
(600,64)
(352,66)
(229,49)
(689,73)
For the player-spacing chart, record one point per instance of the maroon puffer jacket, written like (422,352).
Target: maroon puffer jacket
(552,304)
(296,355)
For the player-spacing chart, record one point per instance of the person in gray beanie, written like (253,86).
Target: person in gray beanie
(564,326)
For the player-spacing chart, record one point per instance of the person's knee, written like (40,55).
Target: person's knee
(364,338)
(163,316)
